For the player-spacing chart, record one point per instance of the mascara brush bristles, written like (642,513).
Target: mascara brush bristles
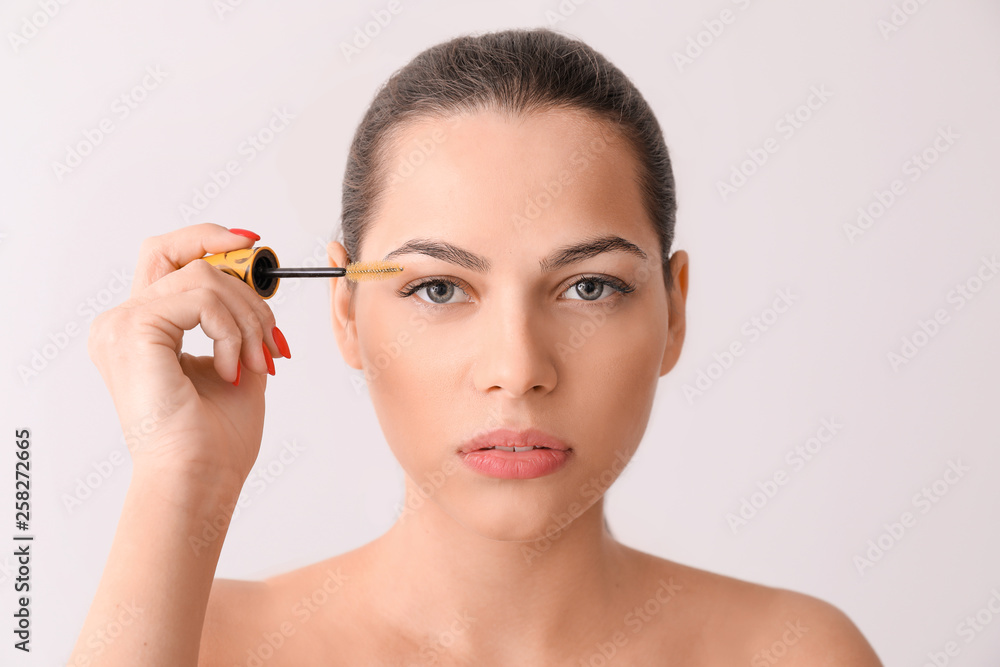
(377,270)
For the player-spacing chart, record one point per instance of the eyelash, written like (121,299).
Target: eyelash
(620,286)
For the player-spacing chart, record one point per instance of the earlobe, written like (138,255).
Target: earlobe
(677,308)
(341,313)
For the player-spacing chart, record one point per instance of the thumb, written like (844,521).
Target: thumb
(159,255)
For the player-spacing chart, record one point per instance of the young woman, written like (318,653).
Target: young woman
(524,185)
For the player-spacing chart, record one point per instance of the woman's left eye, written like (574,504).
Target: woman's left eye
(589,288)
(593,287)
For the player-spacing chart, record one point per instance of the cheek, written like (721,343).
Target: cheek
(406,372)
(613,376)
(391,340)
(622,344)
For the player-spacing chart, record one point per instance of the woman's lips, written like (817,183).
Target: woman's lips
(548,454)
(516,465)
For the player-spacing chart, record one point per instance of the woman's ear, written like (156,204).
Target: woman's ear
(676,300)
(341,312)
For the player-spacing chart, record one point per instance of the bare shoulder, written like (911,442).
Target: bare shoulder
(810,631)
(764,625)
(282,620)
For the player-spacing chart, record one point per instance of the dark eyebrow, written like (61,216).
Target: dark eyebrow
(559,258)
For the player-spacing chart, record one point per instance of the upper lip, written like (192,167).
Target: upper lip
(506,437)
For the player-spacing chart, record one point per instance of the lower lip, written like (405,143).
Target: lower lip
(516,465)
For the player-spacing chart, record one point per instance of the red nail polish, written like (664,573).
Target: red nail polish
(279,340)
(246,233)
(267,358)
(236,382)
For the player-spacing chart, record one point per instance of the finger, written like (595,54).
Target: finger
(251,314)
(200,305)
(159,255)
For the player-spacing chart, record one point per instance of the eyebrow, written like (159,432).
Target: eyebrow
(560,257)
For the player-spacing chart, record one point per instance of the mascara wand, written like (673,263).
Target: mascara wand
(259,268)
(334,271)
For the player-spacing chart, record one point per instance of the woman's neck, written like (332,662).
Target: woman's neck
(515,601)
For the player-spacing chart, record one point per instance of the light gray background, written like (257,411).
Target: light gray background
(62,242)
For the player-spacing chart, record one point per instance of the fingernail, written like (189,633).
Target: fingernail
(236,382)
(279,340)
(267,358)
(246,233)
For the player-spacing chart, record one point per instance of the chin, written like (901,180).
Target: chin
(514,517)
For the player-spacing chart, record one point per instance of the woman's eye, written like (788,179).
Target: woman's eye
(589,289)
(592,288)
(439,292)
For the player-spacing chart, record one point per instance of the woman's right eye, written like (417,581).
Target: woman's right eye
(439,291)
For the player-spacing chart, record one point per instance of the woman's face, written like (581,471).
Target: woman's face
(498,341)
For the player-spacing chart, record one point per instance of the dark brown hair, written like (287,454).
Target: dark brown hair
(516,71)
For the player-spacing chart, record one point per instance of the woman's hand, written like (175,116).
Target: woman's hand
(193,437)
(182,415)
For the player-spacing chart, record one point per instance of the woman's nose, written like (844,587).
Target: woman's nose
(515,351)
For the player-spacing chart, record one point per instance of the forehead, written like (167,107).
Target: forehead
(489,176)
